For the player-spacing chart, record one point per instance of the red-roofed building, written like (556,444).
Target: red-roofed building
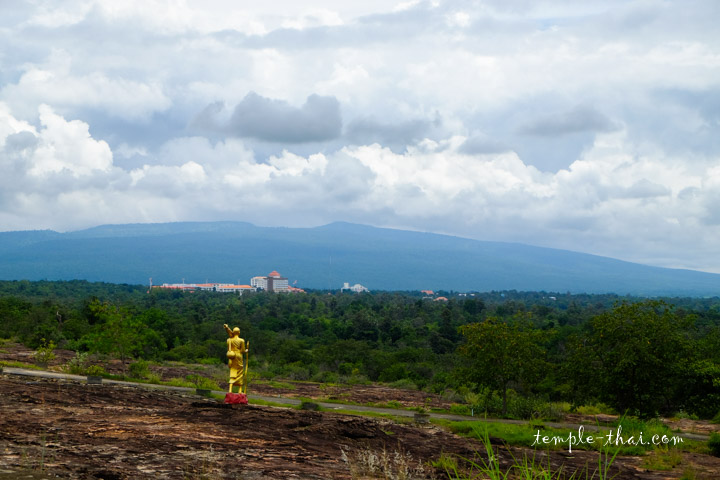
(207,287)
(272,283)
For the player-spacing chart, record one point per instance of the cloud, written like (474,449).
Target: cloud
(588,125)
(579,119)
(369,130)
(60,146)
(56,84)
(617,198)
(270,120)
(480,143)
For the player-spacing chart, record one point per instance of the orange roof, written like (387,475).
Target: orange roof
(274,273)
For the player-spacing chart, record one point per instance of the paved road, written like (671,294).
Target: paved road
(326,405)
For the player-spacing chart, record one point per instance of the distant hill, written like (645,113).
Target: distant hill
(327,256)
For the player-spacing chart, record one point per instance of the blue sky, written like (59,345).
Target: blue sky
(591,126)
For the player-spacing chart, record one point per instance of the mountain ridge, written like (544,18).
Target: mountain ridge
(325,257)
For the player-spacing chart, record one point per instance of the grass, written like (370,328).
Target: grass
(663,459)
(487,465)
(16,364)
(276,384)
(397,464)
(257,401)
(629,431)
(597,409)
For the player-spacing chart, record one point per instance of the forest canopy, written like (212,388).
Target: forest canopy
(645,357)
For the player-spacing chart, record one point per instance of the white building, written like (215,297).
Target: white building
(209,287)
(272,283)
(259,282)
(357,288)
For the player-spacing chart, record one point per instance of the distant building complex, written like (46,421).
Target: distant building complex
(357,288)
(273,282)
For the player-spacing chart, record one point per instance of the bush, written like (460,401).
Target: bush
(714,444)
(325,376)
(460,409)
(525,408)
(139,369)
(45,353)
(312,406)
(682,415)
(203,382)
(716,418)
(553,411)
(450,395)
(78,364)
(95,370)
(404,383)
(297,371)
(596,409)
(180,382)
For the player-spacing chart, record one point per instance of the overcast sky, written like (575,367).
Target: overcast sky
(591,126)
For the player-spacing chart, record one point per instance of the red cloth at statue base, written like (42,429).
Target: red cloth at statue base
(236,398)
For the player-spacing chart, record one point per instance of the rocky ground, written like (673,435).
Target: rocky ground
(51,428)
(68,429)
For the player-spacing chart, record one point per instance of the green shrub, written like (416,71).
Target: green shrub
(459,409)
(211,361)
(180,382)
(95,370)
(139,369)
(202,382)
(596,409)
(404,383)
(450,395)
(78,364)
(714,444)
(312,406)
(325,376)
(553,411)
(45,353)
(682,414)
(716,418)
(525,408)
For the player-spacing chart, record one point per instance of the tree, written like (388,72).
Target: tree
(634,356)
(498,354)
(119,332)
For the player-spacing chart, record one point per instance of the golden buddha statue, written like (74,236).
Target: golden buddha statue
(236,352)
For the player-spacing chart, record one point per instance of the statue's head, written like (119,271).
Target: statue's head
(236,330)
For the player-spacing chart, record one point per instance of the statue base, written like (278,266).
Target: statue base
(236,398)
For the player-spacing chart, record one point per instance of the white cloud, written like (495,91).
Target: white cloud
(55,84)
(591,126)
(68,146)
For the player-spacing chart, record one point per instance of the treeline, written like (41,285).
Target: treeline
(644,357)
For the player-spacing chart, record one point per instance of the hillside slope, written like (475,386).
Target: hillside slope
(324,257)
